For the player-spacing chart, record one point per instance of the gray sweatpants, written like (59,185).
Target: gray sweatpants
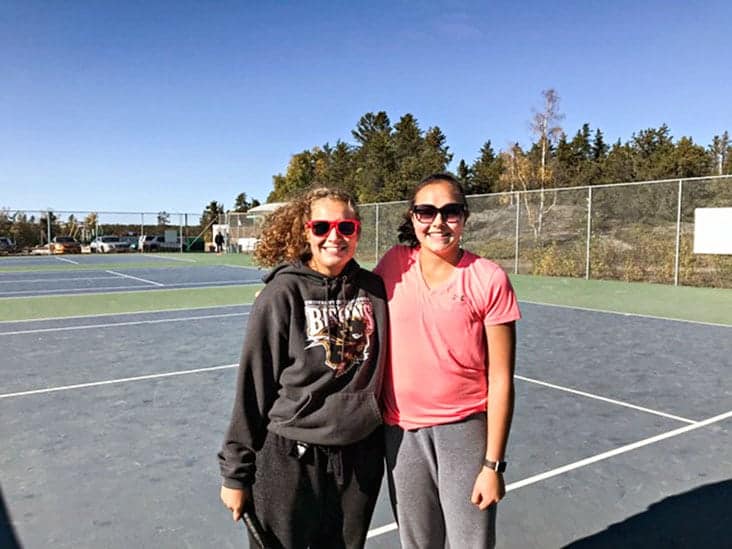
(431,475)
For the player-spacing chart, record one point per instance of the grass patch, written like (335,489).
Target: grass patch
(679,302)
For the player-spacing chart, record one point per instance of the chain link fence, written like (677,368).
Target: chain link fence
(31,230)
(634,232)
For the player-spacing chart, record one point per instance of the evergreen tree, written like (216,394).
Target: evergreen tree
(690,159)
(340,166)
(24,231)
(465,174)
(211,215)
(436,154)
(581,144)
(299,176)
(241,204)
(565,161)
(486,171)
(375,160)
(653,154)
(599,148)
(407,144)
(618,167)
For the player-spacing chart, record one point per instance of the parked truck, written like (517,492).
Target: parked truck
(168,242)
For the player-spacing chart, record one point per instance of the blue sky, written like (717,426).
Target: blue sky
(151,105)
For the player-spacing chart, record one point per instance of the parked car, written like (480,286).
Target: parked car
(133,241)
(64,245)
(108,244)
(41,250)
(7,246)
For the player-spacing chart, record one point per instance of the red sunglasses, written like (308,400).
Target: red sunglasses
(344,227)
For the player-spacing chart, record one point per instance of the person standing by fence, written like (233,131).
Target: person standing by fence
(305,438)
(451,360)
(219,240)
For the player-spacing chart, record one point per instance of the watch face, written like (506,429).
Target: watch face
(501,466)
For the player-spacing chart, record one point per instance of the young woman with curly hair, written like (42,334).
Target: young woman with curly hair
(304,443)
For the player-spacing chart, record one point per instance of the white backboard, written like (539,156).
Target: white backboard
(713,231)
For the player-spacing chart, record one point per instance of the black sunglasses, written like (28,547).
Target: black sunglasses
(344,227)
(450,213)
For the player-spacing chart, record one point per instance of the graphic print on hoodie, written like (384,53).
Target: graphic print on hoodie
(343,329)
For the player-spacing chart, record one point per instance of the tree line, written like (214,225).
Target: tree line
(387,159)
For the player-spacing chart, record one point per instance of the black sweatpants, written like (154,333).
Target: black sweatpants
(318,496)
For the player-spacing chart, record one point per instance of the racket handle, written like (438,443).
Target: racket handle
(256,532)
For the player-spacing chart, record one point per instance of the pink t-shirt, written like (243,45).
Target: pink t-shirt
(438,353)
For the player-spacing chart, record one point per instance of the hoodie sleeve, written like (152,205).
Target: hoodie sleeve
(256,386)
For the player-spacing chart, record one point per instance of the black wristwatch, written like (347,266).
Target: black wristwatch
(497,466)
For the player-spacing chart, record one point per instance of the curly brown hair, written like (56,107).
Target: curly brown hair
(283,237)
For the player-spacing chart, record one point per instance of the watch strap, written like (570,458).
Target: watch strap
(497,466)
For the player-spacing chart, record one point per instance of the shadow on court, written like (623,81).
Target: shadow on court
(697,518)
(8,539)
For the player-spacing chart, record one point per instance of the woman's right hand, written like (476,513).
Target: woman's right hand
(234,500)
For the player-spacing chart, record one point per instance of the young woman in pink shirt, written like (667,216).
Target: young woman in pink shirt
(448,391)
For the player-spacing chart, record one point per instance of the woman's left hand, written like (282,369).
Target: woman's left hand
(489,488)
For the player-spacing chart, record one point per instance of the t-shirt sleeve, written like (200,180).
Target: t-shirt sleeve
(389,262)
(502,305)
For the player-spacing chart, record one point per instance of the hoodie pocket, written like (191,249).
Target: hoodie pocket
(286,411)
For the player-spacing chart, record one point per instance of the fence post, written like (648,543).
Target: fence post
(589,233)
(376,237)
(140,240)
(180,233)
(516,236)
(48,228)
(678,234)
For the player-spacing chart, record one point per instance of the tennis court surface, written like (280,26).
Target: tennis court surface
(114,402)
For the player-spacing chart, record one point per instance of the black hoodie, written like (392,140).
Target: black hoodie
(311,366)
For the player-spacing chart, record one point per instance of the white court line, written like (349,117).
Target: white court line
(113,324)
(115,381)
(135,278)
(381,530)
(66,279)
(227,282)
(618,451)
(137,290)
(605,399)
(178,286)
(171,258)
(67,260)
(588,461)
(152,311)
(392,526)
(69,291)
(241,267)
(621,313)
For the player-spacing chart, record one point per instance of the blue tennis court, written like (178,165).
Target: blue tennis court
(122,278)
(111,424)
